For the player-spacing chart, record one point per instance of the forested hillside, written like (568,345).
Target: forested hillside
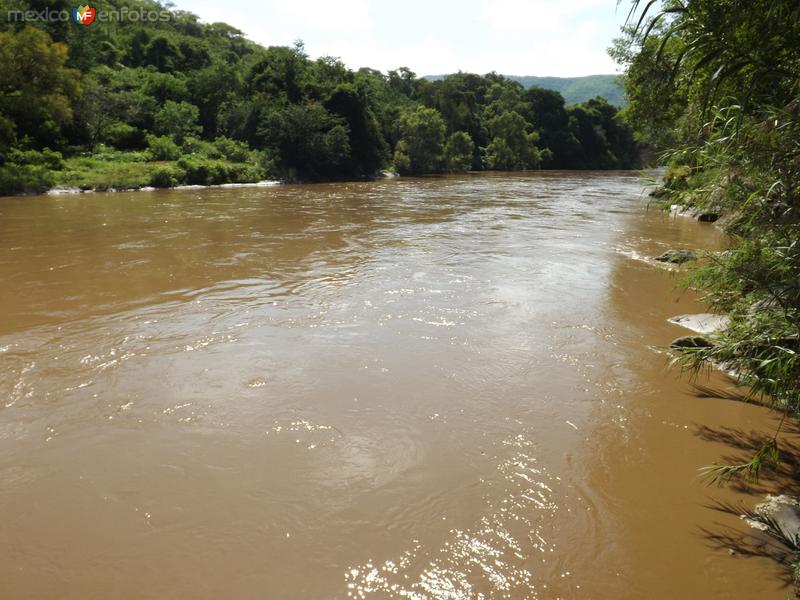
(574,89)
(124,103)
(579,89)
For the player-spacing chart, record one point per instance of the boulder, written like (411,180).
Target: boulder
(702,323)
(690,341)
(779,515)
(676,257)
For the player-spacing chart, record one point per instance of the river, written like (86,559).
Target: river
(446,387)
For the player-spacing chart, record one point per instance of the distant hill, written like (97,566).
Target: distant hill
(574,89)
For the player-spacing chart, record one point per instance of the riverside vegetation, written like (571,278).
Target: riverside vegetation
(715,83)
(179,101)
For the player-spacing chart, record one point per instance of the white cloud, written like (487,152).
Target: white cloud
(430,56)
(519,37)
(326,15)
(546,16)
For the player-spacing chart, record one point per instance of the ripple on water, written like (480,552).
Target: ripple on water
(306,433)
(492,558)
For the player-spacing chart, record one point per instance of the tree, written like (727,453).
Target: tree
(458,105)
(178,119)
(420,147)
(312,143)
(545,110)
(37,89)
(124,83)
(281,74)
(402,81)
(458,152)
(210,88)
(367,147)
(656,102)
(162,53)
(513,145)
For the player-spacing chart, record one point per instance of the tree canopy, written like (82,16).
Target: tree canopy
(171,87)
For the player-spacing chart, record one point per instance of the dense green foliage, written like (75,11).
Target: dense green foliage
(575,90)
(181,101)
(716,82)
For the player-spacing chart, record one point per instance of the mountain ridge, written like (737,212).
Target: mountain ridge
(574,89)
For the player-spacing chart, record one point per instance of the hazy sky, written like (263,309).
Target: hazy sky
(514,37)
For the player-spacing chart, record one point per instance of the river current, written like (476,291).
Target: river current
(441,388)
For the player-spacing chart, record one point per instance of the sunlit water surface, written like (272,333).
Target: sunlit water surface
(439,388)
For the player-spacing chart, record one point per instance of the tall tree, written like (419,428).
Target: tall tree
(420,147)
(37,89)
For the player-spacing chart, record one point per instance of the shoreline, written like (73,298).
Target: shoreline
(386,174)
(67,191)
(74,190)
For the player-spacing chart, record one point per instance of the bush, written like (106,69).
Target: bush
(193,145)
(46,158)
(266,165)
(244,173)
(676,177)
(203,172)
(199,171)
(162,148)
(106,154)
(24,179)
(402,161)
(232,150)
(123,136)
(166,177)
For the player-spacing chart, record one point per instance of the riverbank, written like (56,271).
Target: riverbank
(107,169)
(61,191)
(114,171)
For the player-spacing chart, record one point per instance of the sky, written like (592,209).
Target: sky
(564,38)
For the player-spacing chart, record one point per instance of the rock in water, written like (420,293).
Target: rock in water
(690,341)
(677,257)
(779,515)
(702,323)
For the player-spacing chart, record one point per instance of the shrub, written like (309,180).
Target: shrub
(24,179)
(166,177)
(203,172)
(244,173)
(402,161)
(232,150)
(267,165)
(193,145)
(106,154)
(123,136)
(162,148)
(676,177)
(46,158)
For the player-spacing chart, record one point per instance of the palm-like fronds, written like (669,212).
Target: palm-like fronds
(736,65)
(755,42)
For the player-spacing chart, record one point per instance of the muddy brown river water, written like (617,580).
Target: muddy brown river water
(439,388)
